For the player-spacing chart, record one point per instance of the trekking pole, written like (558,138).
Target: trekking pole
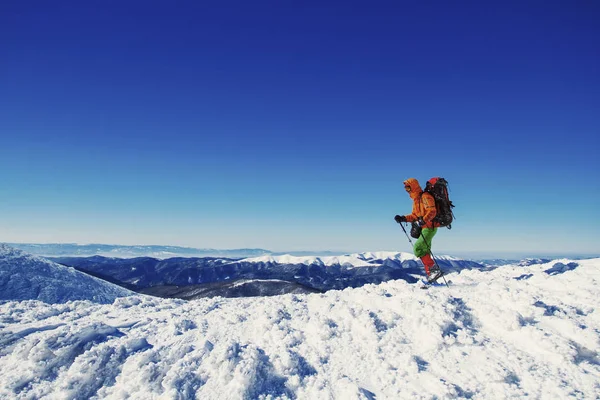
(434,260)
(402,226)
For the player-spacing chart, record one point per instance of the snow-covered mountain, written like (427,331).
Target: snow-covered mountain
(27,277)
(495,262)
(349,260)
(311,272)
(515,331)
(122,251)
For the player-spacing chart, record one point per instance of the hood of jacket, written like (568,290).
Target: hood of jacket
(415,188)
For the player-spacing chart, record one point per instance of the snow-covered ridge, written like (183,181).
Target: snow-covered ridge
(349,260)
(366,259)
(27,277)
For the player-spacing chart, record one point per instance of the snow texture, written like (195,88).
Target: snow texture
(509,332)
(27,277)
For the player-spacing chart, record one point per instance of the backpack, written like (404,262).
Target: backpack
(438,188)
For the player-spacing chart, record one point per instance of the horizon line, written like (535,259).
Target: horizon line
(481,253)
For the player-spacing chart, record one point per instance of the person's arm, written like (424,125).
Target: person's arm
(412,217)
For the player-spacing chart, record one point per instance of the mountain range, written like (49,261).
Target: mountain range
(123,251)
(210,276)
(264,273)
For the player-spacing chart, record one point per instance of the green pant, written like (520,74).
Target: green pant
(423,243)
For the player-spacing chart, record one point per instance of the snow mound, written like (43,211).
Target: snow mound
(27,277)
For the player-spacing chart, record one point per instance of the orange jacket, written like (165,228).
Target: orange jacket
(423,204)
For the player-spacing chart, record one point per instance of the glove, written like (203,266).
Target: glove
(400,218)
(421,222)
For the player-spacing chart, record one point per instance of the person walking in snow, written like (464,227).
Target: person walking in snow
(423,213)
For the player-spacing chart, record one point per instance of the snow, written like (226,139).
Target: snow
(509,332)
(27,277)
(242,282)
(349,260)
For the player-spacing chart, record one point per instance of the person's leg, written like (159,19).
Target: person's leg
(428,263)
(422,248)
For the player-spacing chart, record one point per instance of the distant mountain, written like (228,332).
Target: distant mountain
(314,273)
(109,250)
(27,277)
(495,262)
(524,262)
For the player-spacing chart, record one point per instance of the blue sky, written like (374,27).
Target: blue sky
(291,125)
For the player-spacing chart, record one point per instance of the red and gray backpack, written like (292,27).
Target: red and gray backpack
(438,188)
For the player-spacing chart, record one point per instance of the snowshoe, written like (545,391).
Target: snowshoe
(434,275)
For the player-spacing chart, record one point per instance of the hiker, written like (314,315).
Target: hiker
(424,228)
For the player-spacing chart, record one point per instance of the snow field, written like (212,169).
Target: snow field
(513,332)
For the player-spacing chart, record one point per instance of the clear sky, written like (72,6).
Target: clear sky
(291,125)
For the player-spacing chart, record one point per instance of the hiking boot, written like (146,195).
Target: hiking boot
(434,274)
